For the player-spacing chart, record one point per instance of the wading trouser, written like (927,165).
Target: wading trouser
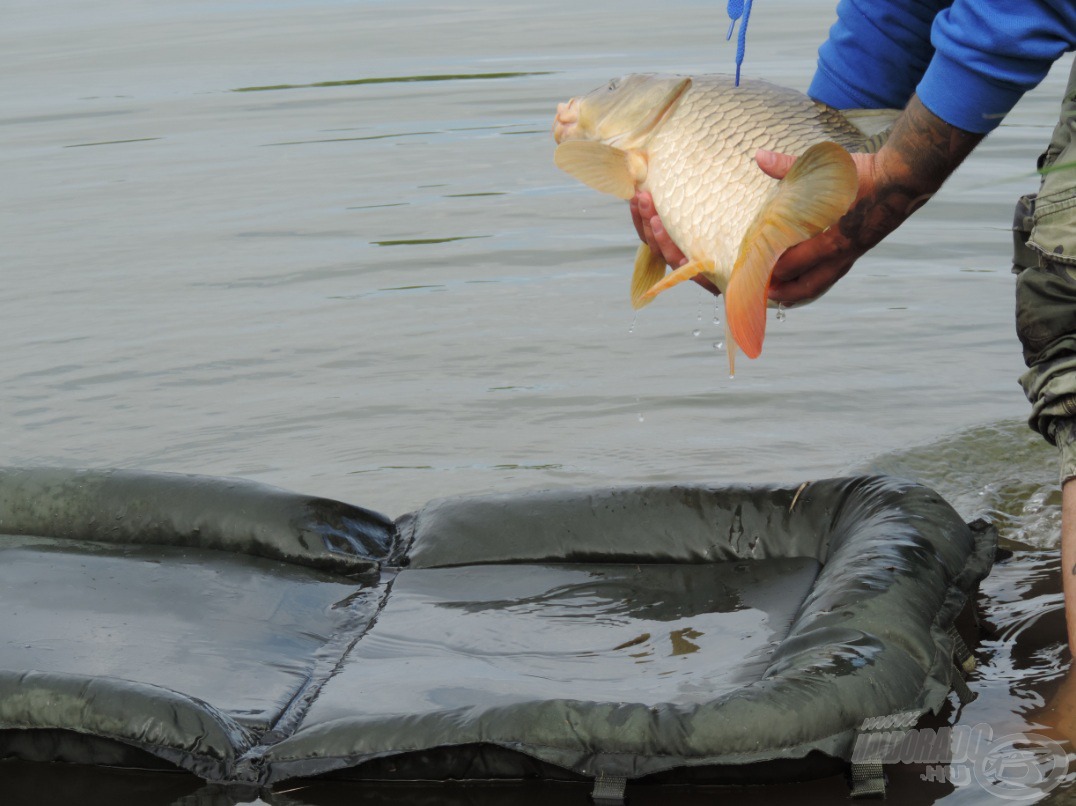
(1045,264)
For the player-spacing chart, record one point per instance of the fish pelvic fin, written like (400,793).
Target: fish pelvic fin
(649,270)
(602,167)
(817,191)
(684,273)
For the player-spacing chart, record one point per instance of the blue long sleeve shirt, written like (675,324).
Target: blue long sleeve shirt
(969,61)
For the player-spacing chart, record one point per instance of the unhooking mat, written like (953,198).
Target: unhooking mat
(251,635)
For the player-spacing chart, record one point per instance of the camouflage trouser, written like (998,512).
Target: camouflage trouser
(1045,264)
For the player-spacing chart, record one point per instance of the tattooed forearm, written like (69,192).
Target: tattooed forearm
(877,214)
(924,149)
(920,154)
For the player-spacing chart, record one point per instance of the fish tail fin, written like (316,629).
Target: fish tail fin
(817,191)
(603,167)
(675,277)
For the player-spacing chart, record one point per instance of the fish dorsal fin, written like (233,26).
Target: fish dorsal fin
(875,125)
(817,191)
(649,269)
(601,166)
(686,272)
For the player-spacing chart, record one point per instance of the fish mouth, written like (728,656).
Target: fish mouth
(566,121)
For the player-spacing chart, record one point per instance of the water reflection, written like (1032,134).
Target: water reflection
(208,623)
(515,634)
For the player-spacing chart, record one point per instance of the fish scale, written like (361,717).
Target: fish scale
(702,174)
(690,143)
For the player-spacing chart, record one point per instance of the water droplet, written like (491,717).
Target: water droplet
(696,332)
(631,327)
(780,312)
(717,312)
(719,345)
(641,418)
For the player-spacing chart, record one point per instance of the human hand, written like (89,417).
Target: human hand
(807,270)
(921,152)
(652,232)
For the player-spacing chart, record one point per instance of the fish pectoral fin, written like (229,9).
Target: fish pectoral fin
(817,191)
(675,277)
(600,166)
(649,270)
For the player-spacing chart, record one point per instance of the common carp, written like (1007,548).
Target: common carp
(691,143)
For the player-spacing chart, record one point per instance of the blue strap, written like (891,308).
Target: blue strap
(739,9)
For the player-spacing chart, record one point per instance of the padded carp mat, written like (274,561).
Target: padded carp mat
(251,635)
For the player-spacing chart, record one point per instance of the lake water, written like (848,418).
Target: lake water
(323,245)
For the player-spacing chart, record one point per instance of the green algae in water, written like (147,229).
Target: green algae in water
(113,142)
(427,241)
(349,139)
(392,80)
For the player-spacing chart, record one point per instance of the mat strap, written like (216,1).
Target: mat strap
(609,789)
(868,780)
